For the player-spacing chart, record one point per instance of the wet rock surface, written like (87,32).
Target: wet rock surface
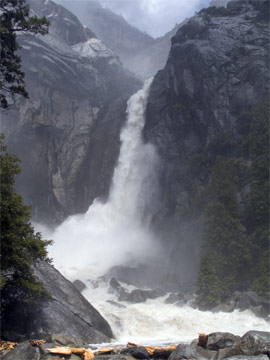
(207,82)
(254,345)
(65,311)
(137,352)
(221,340)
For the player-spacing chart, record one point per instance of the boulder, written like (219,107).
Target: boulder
(221,340)
(250,300)
(79,285)
(139,295)
(138,352)
(66,340)
(256,343)
(114,357)
(23,351)
(244,357)
(66,311)
(28,351)
(192,351)
(114,283)
(172,299)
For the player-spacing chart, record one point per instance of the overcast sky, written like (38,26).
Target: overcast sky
(156,17)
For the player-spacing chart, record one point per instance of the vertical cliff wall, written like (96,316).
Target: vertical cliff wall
(67,133)
(218,67)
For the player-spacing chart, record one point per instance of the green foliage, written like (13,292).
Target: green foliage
(261,282)
(21,247)
(221,144)
(208,285)
(14,18)
(224,236)
(236,232)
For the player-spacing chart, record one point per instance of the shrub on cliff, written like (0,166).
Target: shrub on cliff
(14,18)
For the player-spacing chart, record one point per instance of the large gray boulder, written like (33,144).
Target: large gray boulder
(65,311)
(244,357)
(255,343)
(221,340)
(192,351)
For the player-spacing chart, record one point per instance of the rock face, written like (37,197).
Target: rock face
(150,60)
(252,345)
(217,68)
(138,52)
(78,92)
(125,40)
(65,312)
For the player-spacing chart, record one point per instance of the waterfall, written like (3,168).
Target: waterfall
(113,232)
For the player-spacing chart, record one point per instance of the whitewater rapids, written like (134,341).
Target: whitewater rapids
(155,322)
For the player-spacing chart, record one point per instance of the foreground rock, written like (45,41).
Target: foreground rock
(65,311)
(247,300)
(254,345)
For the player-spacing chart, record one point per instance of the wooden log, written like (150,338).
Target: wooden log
(78,351)
(7,345)
(203,338)
(163,353)
(106,350)
(62,350)
(88,354)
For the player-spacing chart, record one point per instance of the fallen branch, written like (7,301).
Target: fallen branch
(65,350)
(7,345)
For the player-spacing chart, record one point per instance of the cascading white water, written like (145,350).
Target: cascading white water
(155,322)
(113,233)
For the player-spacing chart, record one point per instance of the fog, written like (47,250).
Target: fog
(155,17)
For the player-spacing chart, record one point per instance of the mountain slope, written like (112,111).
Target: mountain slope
(139,52)
(78,89)
(125,40)
(217,69)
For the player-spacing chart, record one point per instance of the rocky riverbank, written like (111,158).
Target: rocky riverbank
(216,346)
(247,300)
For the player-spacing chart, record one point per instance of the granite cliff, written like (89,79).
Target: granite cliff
(218,68)
(67,133)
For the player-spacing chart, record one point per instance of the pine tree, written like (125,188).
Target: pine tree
(225,240)
(14,18)
(208,285)
(259,197)
(21,246)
